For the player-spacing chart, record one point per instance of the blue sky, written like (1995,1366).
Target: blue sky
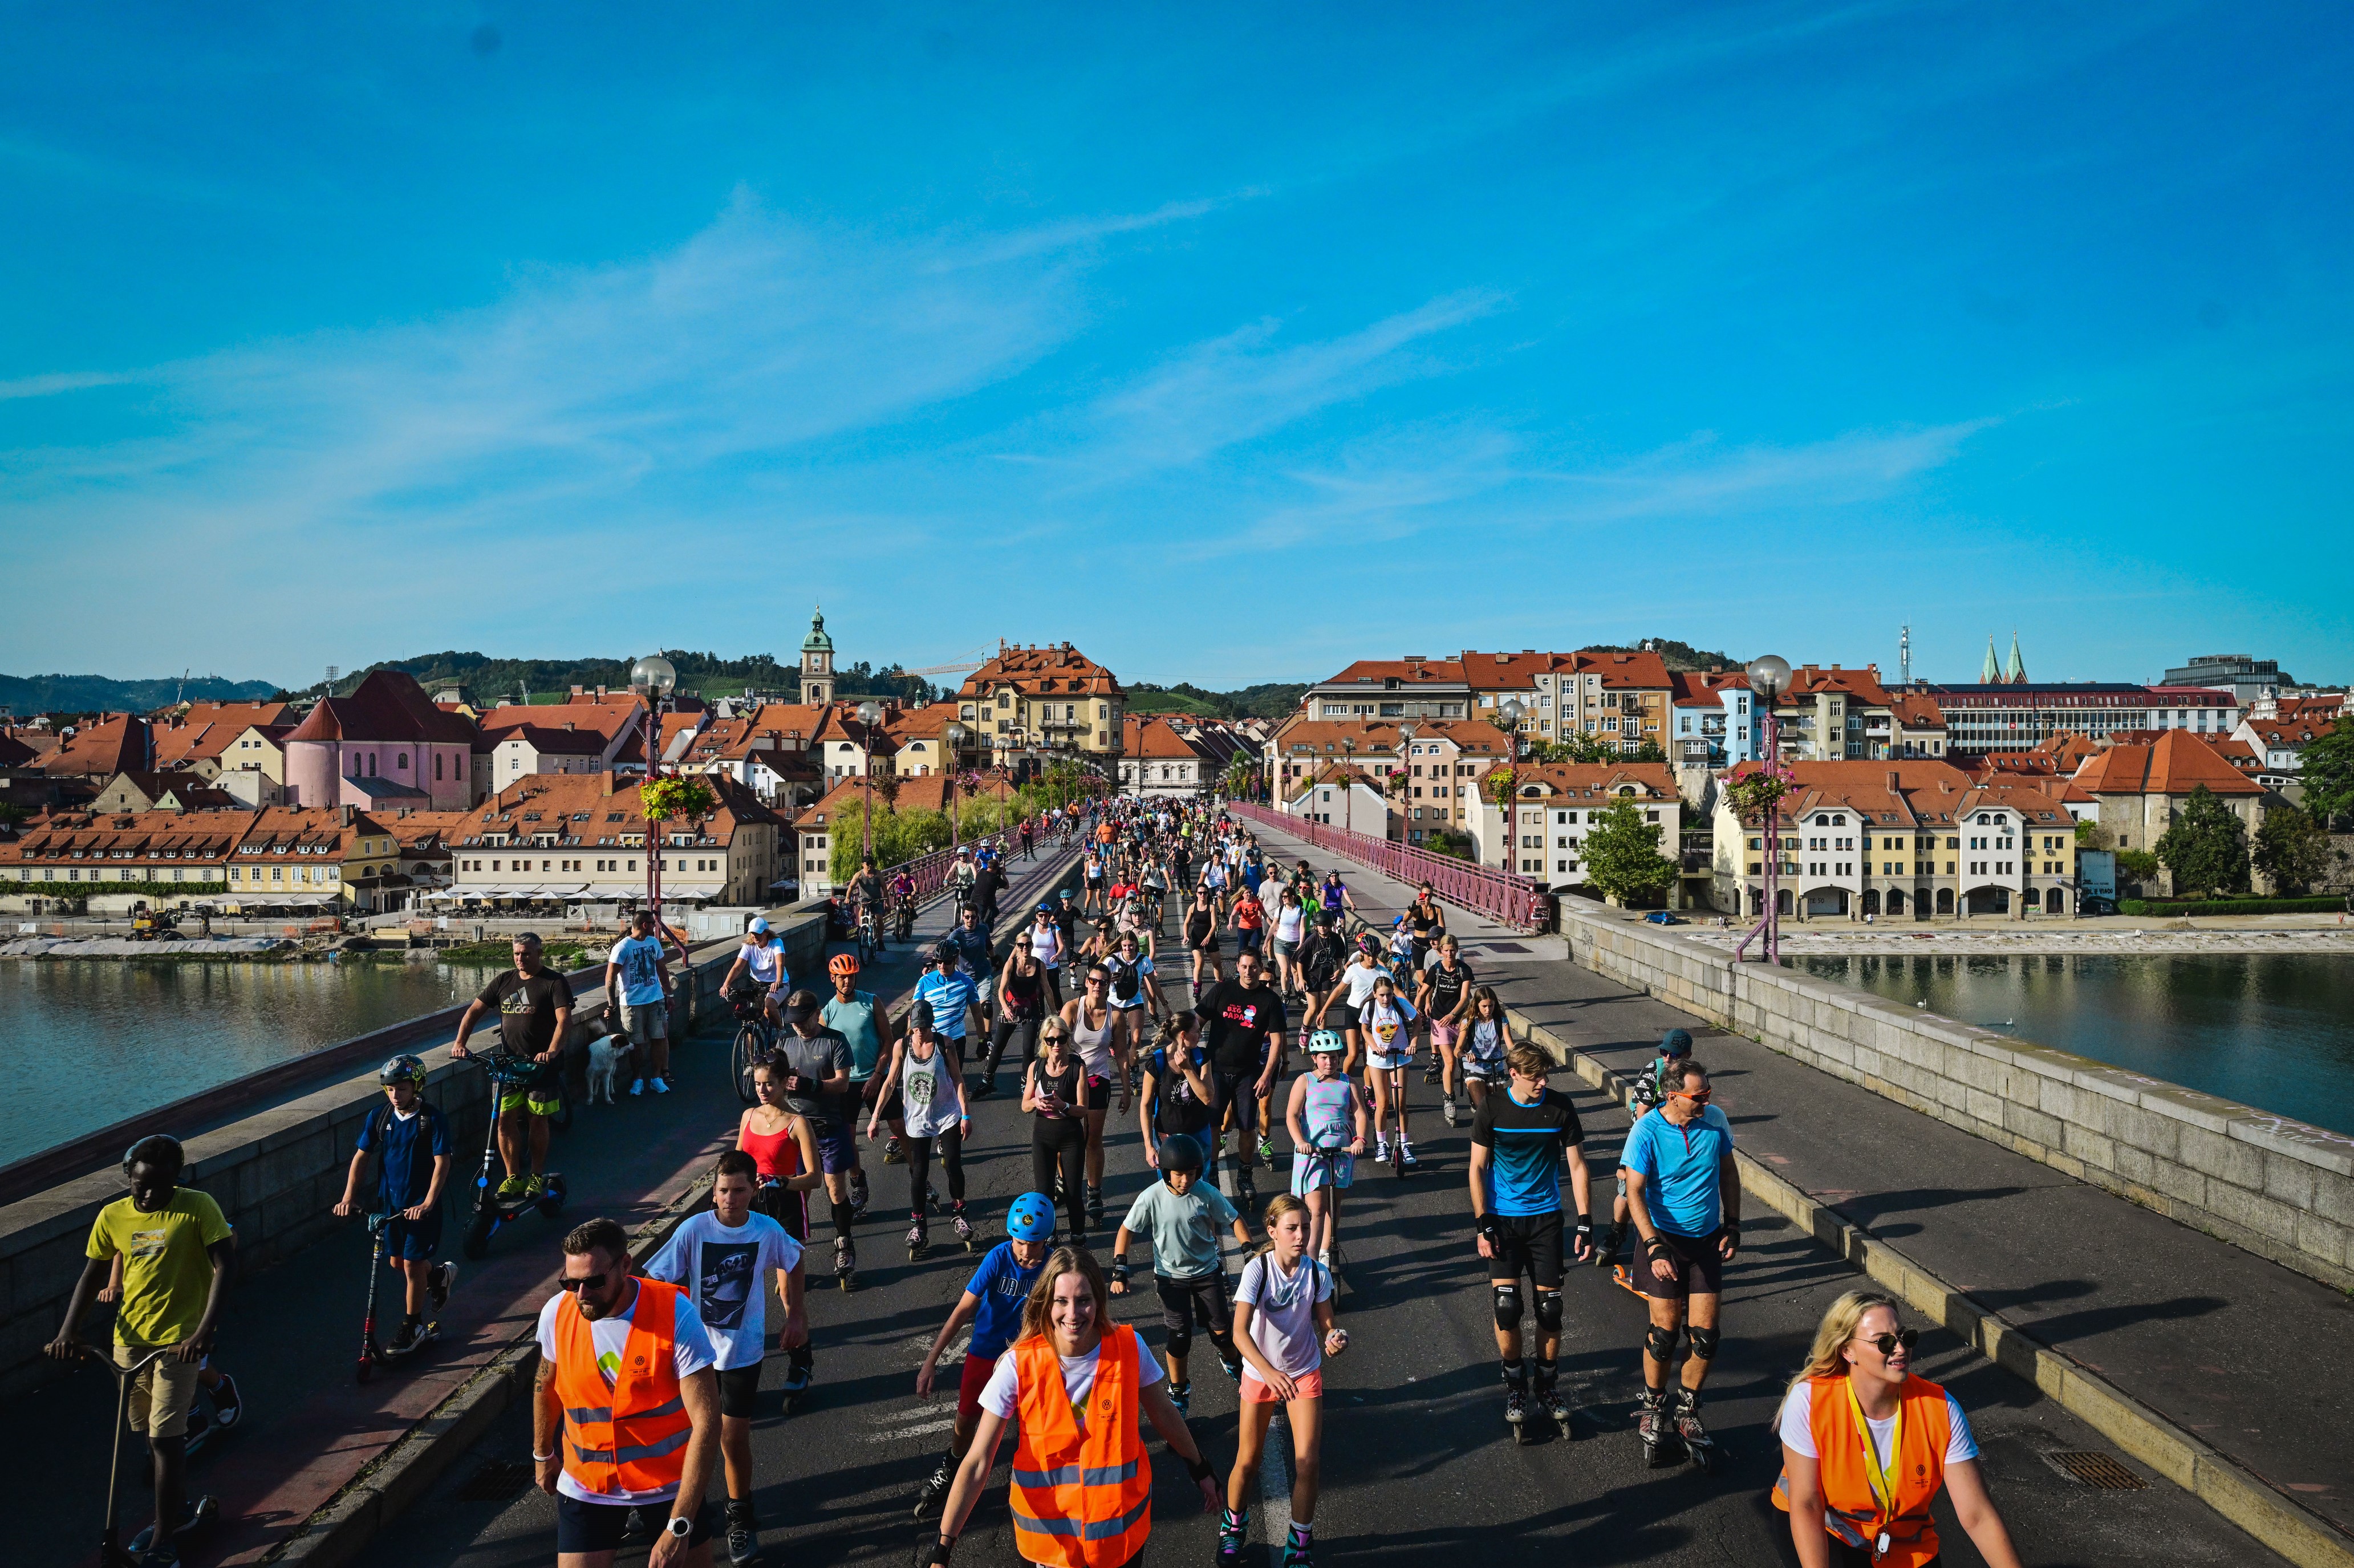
(1231,343)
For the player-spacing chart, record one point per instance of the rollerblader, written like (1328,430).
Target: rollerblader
(1183,1216)
(1519,1139)
(992,1303)
(1644,1097)
(785,1152)
(1283,1327)
(927,1081)
(817,1060)
(1683,1192)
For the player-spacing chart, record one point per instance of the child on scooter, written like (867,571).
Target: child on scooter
(411,1143)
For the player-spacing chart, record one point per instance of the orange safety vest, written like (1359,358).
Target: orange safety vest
(1080,1500)
(1851,1512)
(631,1437)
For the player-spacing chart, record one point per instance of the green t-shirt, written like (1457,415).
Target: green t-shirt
(1184,1231)
(167,1276)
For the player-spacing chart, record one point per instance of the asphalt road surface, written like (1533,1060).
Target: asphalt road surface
(1418,1464)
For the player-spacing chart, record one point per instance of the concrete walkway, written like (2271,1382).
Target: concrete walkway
(292,1333)
(2254,1359)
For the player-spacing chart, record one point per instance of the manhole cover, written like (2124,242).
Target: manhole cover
(501,1481)
(2099,1471)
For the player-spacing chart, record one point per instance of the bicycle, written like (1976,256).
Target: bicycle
(755,1037)
(903,919)
(870,934)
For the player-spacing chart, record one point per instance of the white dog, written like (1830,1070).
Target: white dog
(608,1059)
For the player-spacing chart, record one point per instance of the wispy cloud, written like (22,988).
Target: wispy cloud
(52,385)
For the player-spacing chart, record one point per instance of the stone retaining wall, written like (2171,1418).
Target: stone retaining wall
(2278,1187)
(275,1173)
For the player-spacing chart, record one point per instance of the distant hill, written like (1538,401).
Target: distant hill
(1676,655)
(486,680)
(1274,699)
(26,694)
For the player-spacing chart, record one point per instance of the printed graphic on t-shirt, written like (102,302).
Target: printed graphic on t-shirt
(146,1245)
(726,1287)
(918,1093)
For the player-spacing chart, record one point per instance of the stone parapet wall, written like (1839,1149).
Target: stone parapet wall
(2270,1184)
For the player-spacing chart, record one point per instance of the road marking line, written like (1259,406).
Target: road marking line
(1275,1483)
(900,1434)
(885,1417)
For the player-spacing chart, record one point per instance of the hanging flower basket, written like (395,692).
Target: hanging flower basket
(1753,795)
(666,799)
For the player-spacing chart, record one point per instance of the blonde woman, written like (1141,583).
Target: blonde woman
(1866,1446)
(1091,1481)
(1055,1093)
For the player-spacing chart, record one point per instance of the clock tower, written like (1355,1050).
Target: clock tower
(817,663)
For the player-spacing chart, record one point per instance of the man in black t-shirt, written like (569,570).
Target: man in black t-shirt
(1242,1021)
(534,1005)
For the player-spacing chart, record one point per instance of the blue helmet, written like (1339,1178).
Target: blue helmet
(1030,1218)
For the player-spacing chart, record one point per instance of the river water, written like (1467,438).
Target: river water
(2272,1030)
(86,1043)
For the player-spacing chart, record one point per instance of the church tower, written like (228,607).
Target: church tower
(1990,672)
(2016,674)
(817,663)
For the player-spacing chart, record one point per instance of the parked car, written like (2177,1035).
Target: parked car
(1666,917)
(2093,904)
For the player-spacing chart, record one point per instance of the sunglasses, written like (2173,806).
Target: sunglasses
(1702,1098)
(592,1282)
(1886,1344)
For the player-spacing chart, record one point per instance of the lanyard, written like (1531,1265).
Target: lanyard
(1883,1479)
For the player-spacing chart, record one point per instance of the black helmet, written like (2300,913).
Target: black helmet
(1180,1154)
(403,1068)
(944,954)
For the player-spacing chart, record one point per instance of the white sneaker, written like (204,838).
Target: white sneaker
(637,1087)
(1406,1153)
(1380,1150)
(657,1086)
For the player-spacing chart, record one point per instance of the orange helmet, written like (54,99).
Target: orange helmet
(843,964)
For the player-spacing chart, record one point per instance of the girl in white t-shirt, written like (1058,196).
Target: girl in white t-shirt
(1283,1326)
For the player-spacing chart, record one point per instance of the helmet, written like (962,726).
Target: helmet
(1030,1218)
(842,964)
(403,1068)
(1326,1042)
(1180,1153)
(945,953)
(1045,907)
(1676,1042)
(1369,944)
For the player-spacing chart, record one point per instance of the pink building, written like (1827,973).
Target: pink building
(386,748)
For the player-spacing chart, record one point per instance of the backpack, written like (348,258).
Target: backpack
(1125,980)
(1321,967)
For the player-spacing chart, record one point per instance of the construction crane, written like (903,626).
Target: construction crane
(964,669)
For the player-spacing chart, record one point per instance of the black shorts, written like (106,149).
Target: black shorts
(739,1390)
(1530,1245)
(1700,1267)
(1208,944)
(1239,1090)
(1186,1304)
(596,1526)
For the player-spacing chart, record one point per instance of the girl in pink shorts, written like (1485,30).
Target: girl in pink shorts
(1283,1326)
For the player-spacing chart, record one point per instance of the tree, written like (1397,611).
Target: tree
(2291,850)
(2091,836)
(2327,770)
(2138,866)
(1622,862)
(1647,752)
(2206,847)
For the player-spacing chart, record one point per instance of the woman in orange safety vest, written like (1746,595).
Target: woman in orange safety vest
(1074,1383)
(1866,1446)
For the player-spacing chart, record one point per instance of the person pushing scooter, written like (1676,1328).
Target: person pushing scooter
(410,1143)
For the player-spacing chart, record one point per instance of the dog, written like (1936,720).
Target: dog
(609,1058)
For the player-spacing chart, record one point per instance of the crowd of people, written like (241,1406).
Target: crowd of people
(648,1373)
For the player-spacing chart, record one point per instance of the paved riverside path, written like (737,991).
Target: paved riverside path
(1418,1461)
(291,1332)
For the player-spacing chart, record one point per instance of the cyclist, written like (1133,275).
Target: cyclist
(724,1256)
(1021,1003)
(925,1088)
(1683,1192)
(852,1014)
(1355,985)
(1183,1216)
(1442,992)
(1386,1024)
(177,1249)
(534,1005)
(903,901)
(1215,880)
(785,1152)
(992,1303)
(866,900)
(816,1060)
(761,960)
(1326,1120)
(413,1148)
(1519,1140)
(1202,941)
(1101,1040)
(1152,888)
(1283,1327)
(1335,898)
(1055,1093)
(637,981)
(1245,1020)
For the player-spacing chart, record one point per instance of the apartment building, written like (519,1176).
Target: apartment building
(583,838)
(2279,742)
(313,857)
(2142,787)
(1051,698)
(1413,687)
(1541,834)
(200,738)
(1160,758)
(1442,762)
(1901,838)
(1347,797)
(64,853)
(773,751)
(1715,724)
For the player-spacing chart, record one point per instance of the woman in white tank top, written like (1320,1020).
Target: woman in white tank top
(1100,1041)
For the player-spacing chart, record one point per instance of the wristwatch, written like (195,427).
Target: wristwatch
(679,1527)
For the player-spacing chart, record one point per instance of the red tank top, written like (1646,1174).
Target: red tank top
(778,1153)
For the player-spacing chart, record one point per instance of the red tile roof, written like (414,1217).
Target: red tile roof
(2175,764)
(118,743)
(1058,667)
(387,705)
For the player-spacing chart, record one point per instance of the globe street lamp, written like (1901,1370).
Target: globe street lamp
(653,677)
(868,715)
(1769,677)
(1511,711)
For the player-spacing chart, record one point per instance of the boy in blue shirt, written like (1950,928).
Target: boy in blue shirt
(992,1304)
(411,1142)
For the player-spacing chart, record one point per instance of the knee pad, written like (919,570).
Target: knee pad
(1508,1307)
(1180,1340)
(1661,1343)
(1548,1311)
(1703,1344)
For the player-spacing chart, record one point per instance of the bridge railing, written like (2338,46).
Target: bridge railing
(1484,890)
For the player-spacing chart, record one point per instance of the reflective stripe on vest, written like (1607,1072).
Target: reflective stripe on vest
(632,1440)
(1081,1497)
(1850,1512)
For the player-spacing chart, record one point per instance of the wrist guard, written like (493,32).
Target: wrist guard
(1654,1248)
(1733,1234)
(1120,1270)
(1585,1229)
(940,1550)
(1489,1230)
(1199,1468)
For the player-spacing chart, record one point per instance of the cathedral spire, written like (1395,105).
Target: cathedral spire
(1991,672)
(2017,673)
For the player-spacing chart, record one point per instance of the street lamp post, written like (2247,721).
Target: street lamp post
(1511,713)
(655,676)
(868,714)
(1769,676)
(954,735)
(1406,732)
(1348,785)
